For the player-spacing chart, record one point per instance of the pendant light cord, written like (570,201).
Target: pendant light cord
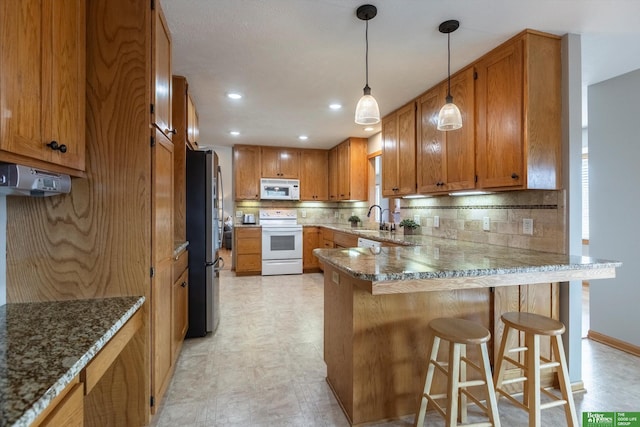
(366,53)
(449,65)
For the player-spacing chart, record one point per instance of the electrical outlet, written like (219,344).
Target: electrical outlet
(486,223)
(335,277)
(303,213)
(238,214)
(416,219)
(436,221)
(527,226)
(336,214)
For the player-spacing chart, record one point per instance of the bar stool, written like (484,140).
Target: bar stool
(459,333)
(534,326)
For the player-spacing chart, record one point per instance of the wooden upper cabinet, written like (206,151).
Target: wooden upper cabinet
(161,92)
(42,83)
(193,130)
(314,173)
(352,169)
(280,163)
(446,160)
(333,174)
(246,172)
(518,90)
(399,152)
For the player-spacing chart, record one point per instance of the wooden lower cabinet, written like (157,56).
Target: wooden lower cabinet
(311,239)
(180,303)
(344,240)
(248,250)
(67,410)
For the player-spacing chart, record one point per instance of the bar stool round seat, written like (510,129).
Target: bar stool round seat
(459,333)
(534,326)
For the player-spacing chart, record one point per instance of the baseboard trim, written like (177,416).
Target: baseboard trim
(614,342)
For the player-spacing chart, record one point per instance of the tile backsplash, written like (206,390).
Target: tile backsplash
(460,217)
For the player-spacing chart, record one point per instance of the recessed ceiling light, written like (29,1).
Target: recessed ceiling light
(303,137)
(234,133)
(368,129)
(335,106)
(234,95)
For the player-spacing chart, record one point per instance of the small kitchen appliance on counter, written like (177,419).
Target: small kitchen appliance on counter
(281,242)
(248,219)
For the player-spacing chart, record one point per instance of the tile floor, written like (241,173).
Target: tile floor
(264,366)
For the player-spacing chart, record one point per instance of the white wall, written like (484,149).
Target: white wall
(3,250)
(614,205)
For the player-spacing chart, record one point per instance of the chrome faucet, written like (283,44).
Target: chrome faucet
(381,211)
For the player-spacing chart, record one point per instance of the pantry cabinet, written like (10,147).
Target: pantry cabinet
(446,160)
(246,172)
(399,152)
(314,185)
(162,75)
(518,102)
(42,84)
(280,163)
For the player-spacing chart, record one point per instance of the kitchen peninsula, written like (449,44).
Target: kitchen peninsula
(378,302)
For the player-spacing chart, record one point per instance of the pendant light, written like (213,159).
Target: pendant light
(449,117)
(367,111)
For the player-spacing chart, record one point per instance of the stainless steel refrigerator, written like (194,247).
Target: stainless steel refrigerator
(204,210)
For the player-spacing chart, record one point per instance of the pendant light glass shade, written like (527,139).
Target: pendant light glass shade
(367,111)
(449,117)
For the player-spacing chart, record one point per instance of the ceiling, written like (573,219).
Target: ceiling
(291,58)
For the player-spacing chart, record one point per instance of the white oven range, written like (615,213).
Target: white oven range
(281,242)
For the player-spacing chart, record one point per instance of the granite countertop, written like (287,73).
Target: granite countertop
(44,345)
(179,247)
(443,264)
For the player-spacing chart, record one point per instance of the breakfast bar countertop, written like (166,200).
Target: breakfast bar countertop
(44,345)
(435,264)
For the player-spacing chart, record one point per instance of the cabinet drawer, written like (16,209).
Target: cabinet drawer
(180,265)
(249,232)
(250,262)
(249,246)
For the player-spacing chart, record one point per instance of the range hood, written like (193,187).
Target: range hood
(18,180)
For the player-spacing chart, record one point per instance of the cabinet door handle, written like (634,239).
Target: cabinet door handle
(515,176)
(171,131)
(56,147)
(183,284)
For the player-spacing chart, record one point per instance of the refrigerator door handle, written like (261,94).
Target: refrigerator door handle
(218,263)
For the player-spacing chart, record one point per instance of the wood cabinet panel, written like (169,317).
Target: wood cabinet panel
(42,83)
(179,313)
(352,169)
(246,170)
(280,163)
(248,250)
(193,123)
(69,412)
(333,174)
(162,74)
(310,241)
(179,87)
(519,114)
(314,175)
(344,240)
(399,152)
(446,160)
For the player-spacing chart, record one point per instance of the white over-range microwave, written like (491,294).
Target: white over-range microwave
(279,189)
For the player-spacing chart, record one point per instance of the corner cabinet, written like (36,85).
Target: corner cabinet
(280,163)
(43,84)
(399,152)
(314,169)
(352,169)
(311,239)
(246,172)
(446,160)
(518,101)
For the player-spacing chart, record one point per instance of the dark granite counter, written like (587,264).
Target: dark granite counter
(43,346)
